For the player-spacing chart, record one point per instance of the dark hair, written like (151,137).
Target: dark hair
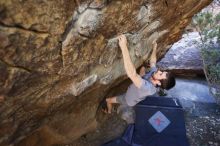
(169,82)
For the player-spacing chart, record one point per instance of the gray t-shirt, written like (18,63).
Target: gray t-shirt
(135,94)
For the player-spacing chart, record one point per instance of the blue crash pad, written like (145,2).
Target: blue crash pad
(159,122)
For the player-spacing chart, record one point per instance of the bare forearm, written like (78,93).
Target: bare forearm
(153,58)
(129,66)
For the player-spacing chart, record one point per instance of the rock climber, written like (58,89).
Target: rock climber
(143,84)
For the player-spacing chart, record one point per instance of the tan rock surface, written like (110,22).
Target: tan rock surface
(58,59)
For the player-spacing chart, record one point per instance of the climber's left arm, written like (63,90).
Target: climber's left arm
(153,57)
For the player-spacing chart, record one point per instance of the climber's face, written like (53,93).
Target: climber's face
(160,75)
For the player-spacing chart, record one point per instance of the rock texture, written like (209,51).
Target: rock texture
(58,59)
(184,57)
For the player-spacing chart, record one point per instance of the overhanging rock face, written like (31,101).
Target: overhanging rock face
(59,58)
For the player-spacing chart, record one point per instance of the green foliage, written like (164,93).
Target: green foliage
(208,26)
(214,72)
(212,64)
(211,55)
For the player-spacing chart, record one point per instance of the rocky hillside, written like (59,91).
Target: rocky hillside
(60,58)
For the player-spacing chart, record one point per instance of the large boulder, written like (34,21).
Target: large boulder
(58,59)
(184,57)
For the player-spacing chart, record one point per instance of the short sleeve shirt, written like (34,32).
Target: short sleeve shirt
(135,94)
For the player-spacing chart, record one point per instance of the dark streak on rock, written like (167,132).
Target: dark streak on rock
(69,26)
(17,26)
(17,67)
(83,35)
(60,52)
(166,3)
